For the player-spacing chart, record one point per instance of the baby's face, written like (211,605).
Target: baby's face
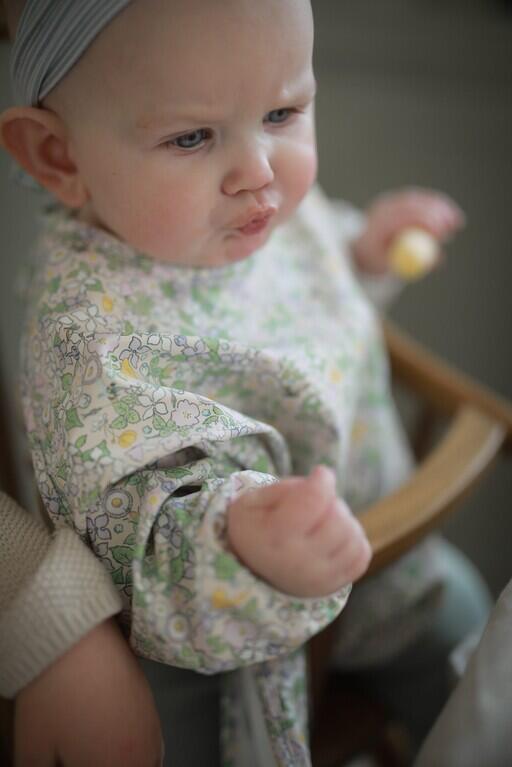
(194,133)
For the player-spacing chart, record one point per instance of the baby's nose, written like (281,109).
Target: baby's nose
(250,170)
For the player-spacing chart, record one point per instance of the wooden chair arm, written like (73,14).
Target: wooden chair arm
(401,519)
(441,385)
(480,427)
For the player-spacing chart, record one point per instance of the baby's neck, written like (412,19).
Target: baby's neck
(87,215)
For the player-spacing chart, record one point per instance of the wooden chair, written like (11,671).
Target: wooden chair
(480,426)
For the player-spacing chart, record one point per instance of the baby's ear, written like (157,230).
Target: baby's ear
(37,139)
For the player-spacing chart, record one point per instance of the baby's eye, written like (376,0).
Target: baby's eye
(191,140)
(278,115)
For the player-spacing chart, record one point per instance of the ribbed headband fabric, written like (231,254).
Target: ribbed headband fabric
(51,37)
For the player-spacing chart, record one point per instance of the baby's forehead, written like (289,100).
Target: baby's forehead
(187,50)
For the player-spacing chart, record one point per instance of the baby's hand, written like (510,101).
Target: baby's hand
(393,212)
(299,536)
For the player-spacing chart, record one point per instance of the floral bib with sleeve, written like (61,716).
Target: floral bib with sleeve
(154,393)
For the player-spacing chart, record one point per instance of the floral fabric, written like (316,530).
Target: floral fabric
(153,394)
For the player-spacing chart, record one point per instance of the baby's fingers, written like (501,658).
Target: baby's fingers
(340,538)
(351,557)
(308,503)
(432,211)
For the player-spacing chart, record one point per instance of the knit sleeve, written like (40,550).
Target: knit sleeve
(52,592)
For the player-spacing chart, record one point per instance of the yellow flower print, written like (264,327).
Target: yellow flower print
(359,429)
(221,600)
(335,375)
(108,304)
(127,438)
(128,370)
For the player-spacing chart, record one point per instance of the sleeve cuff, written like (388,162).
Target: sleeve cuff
(69,594)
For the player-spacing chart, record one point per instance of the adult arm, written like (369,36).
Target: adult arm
(52,592)
(63,656)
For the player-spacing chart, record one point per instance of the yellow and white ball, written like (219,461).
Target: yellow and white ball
(413,253)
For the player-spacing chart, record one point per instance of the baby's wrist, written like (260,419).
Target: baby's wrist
(364,260)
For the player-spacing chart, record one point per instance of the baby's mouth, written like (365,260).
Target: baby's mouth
(255,222)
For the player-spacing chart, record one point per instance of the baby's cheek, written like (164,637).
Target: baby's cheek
(164,225)
(301,175)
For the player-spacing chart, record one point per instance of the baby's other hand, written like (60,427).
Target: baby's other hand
(393,212)
(299,536)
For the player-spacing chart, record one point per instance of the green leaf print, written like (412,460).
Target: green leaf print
(176,569)
(179,472)
(53,285)
(213,347)
(262,465)
(72,419)
(95,285)
(216,645)
(80,442)
(118,576)
(250,610)
(182,516)
(122,554)
(168,290)
(66,381)
(226,567)
(192,659)
(142,305)
(119,423)
(158,423)
(211,419)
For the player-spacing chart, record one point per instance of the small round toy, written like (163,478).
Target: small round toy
(413,253)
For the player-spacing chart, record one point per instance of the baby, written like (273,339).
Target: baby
(205,388)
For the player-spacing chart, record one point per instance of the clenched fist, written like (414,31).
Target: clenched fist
(299,536)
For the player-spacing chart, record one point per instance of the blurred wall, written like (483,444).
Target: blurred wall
(419,92)
(411,92)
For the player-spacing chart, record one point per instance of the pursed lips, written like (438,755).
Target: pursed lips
(254,217)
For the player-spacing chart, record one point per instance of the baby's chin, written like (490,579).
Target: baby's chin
(238,246)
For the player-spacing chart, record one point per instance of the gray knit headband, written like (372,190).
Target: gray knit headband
(51,37)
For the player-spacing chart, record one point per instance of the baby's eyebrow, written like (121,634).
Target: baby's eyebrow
(158,120)
(194,113)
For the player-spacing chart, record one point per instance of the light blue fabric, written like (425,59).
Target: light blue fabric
(51,36)
(415,685)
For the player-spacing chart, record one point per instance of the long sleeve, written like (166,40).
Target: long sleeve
(144,467)
(52,592)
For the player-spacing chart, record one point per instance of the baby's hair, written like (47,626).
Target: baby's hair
(13,11)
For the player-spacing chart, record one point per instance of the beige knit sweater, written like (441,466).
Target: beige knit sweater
(53,590)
